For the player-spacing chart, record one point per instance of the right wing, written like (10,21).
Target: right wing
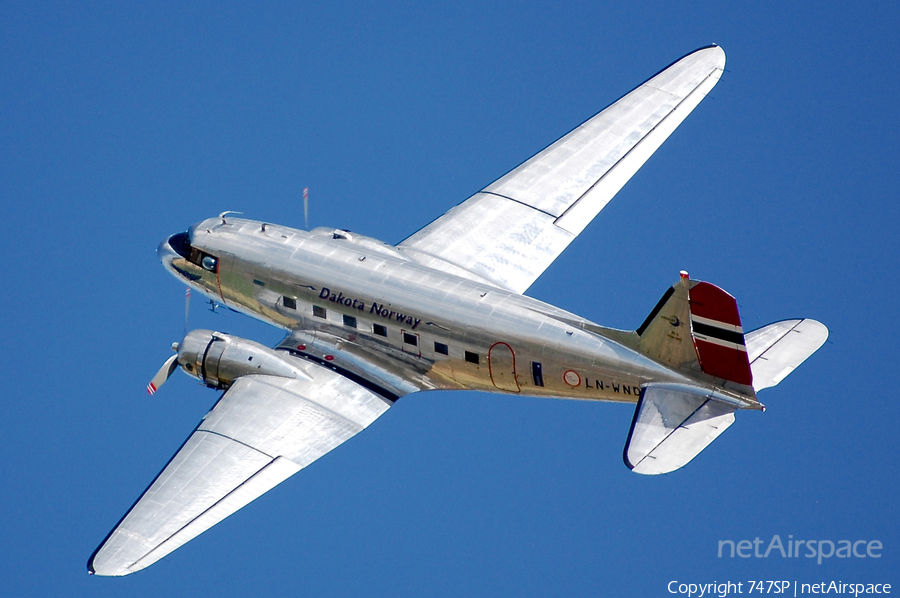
(777,349)
(263,430)
(509,232)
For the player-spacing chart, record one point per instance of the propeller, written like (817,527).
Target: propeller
(187,307)
(164,372)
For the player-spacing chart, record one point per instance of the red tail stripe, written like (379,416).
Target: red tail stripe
(709,301)
(724,362)
(721,323)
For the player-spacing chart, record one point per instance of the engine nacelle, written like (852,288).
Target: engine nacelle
(218,359)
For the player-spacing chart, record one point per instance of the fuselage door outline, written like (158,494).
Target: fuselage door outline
(502,367)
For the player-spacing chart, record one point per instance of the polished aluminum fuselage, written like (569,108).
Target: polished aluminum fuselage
(363,307)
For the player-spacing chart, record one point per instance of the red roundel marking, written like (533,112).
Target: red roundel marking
(572,378)
(329,358)
(301,347)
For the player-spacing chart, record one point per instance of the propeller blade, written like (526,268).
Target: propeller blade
(306,207)
(187,308)
(163,374)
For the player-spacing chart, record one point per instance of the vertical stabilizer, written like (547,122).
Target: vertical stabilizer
(666,333)
(696,326)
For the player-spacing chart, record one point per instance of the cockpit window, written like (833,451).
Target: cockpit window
(209,263)
(181,243)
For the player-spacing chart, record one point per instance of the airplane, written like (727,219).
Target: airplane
(368,322)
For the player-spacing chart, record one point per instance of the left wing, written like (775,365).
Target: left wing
(508,233)
(263,430)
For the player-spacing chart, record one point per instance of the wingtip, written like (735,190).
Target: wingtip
(90,564)
(108,572)
(713,50)
(103,567)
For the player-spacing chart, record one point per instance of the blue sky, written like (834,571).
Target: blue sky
(123,123)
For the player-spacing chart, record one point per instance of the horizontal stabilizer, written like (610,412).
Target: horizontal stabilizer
(672,424)
(777,349)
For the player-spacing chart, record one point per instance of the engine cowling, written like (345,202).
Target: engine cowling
(218,359)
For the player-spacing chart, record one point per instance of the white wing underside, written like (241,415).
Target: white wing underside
(672,424)
(263,430)
(512,230)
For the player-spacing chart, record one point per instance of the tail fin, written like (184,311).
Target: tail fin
(696,326)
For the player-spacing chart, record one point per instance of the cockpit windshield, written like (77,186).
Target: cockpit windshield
(181,244)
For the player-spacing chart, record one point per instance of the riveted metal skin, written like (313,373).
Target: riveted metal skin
(367,322)
(292,278)
(219,359)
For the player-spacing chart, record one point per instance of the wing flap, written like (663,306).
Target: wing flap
(777,349)
(263,430)
(498,240)
(511,231)
(672,424)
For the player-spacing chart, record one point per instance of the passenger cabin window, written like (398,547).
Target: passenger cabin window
(410,339)
(537,373)
(289,302)
(441,348)
(379,329)
(350,321)
(319,312)
(472,357)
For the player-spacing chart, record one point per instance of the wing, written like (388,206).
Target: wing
(777,349)
(511,231)
(263,430)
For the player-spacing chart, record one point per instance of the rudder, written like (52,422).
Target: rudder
(718,335)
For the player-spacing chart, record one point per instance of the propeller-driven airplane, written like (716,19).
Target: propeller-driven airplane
(368,322)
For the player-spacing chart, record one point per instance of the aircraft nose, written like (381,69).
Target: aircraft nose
(178,244)
(173,248)
(164,252)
